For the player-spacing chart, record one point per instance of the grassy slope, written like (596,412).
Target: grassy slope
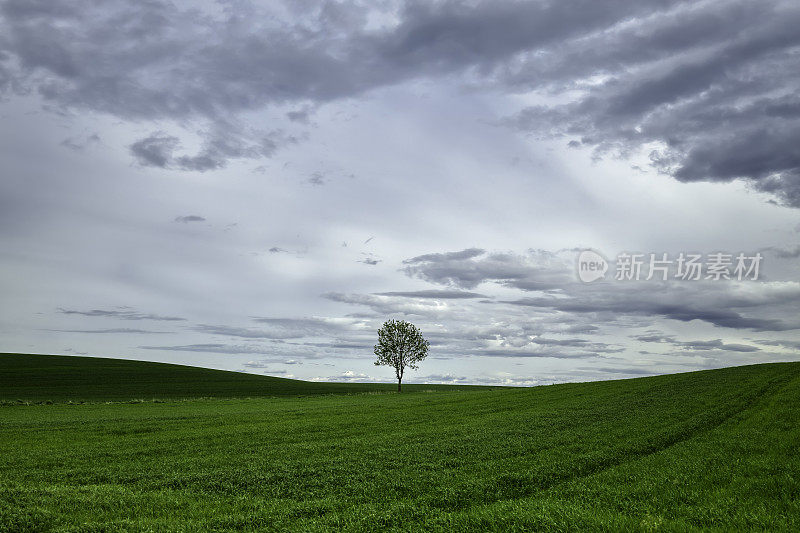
(60,378)
(715,449)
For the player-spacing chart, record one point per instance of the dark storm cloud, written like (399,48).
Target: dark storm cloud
(122,313)
(711,84)
(248,56)
(440,294)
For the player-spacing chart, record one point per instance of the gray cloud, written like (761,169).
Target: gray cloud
(515,352)
(317,179)
(211,348)
(225,142)
(122,313)
(440,294)
(80,143)
(111,330)
(711,83)
(628,371)
(783,253)
(155,150)
(388,305)
(654,337)
(369,261)
(716,344)
(684,312)
(190,218)
(280,328)
(790,344)
(536,270)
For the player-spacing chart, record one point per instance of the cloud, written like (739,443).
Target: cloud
(654,337)
(684,312)
(123,313)
(517,352)
(789,344)
(716,344)
(388,305)
(155,150)
(536,270)
(444,379)
(111,330)
(628,371)
(350,376)
(211,348)
(80,143)
(301,116)
(190,218)
(292,328)
(708,88)
(758,306)
(317,179)
(224,142)
(783,253)
(278,328)
(256,364)
(440,294)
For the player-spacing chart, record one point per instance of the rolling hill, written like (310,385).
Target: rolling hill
(711,450)
(36,378)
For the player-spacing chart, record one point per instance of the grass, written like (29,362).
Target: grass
(711,450)
(40,378)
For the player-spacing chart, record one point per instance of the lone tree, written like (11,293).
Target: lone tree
(401,345)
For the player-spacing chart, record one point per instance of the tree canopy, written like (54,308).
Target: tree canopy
(400,345)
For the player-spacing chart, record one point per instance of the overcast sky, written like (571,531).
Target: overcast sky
(257,186)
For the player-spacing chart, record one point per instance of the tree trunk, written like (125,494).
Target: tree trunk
(399,388)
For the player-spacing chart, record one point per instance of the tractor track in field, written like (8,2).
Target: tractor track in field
(667,442)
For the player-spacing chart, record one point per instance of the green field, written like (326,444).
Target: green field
(40,378)
(717,449)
